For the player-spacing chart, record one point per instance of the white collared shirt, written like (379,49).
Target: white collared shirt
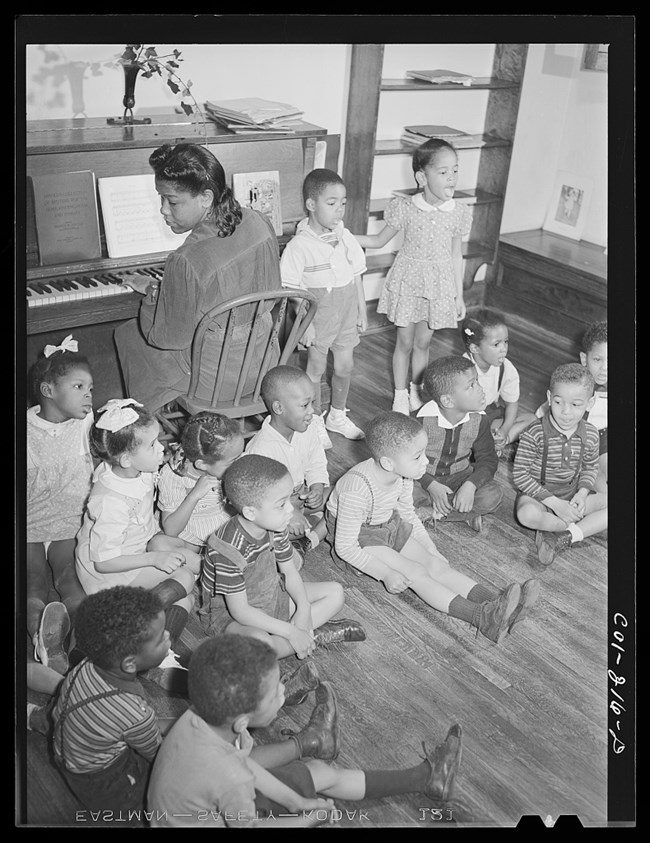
(432,409)
(308,262)
(304,456)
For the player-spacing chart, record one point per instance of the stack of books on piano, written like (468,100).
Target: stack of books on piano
(416,135)
(252,115)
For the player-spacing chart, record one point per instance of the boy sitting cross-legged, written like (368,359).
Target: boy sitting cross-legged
(249,582)
(556,467)
(372,526)
(289,436)
(205,774)
(461,458)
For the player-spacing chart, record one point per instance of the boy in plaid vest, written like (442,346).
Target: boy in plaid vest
(460,449)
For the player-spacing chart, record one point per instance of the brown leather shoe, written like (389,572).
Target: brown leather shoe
(320,738)
(334,632)
(299,683)
(529,594)
(444,761)
(550,544)
(495,614)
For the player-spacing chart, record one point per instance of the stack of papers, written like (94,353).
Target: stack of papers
(415,135)
(250,115)
(441,77)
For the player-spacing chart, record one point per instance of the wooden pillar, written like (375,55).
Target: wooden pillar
(361,131)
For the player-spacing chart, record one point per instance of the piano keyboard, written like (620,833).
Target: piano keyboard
(81,287)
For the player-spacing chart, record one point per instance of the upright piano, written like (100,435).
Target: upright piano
(88,299)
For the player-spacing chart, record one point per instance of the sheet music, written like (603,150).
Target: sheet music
(132,219)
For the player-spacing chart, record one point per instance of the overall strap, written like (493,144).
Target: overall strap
(225,549)
(372,494)
(65,711)
(501,371)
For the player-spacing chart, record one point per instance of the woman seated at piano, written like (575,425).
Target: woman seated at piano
(230,251)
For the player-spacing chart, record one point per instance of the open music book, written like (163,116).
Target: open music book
(132,218)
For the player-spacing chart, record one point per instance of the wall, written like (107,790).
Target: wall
(562,125)
(61,83)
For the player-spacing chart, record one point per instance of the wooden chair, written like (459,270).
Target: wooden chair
(276,337)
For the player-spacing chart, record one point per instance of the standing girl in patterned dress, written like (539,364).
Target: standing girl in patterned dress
(424,288)
(59,474)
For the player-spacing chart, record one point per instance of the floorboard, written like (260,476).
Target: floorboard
(533,708)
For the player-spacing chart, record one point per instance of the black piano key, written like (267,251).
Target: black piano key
(91,281)
(82,282)
(56,284)
(43,287)
(102,279)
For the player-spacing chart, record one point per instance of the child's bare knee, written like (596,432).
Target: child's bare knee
(526,511)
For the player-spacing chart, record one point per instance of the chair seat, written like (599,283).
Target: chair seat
(246,406)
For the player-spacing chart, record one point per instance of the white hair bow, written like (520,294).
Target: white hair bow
(68,344)
(116,414)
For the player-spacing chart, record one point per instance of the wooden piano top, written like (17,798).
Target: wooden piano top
(93,133)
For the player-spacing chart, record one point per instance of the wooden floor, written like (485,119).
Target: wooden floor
(533,708)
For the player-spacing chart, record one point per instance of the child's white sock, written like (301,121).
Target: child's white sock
(313,538)
(576,533)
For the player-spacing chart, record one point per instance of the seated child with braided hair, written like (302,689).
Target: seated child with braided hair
(190,497)
(485,334)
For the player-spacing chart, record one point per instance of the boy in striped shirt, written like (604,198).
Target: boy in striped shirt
(556,467)
(106,734)
(372,526)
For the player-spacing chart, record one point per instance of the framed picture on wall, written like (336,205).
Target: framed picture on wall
(569,205)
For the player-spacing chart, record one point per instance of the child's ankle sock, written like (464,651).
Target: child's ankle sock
(381,783)
(313,538)
(175,621)
(576,533)
(480,593)
(463,608)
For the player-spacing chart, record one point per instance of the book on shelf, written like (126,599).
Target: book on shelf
(253,113)
(441,77)
(67,217)
(132,219)
(416,135)
(261,192)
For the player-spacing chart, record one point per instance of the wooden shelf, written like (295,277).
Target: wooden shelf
(467,197)
(384,261)
(396,147)
(480,83)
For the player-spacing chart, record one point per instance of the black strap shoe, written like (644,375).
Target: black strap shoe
(335,632)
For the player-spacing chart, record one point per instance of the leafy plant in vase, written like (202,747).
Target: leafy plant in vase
(137,59)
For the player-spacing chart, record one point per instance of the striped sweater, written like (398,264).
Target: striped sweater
(353,504)
(568,460)
(96,732)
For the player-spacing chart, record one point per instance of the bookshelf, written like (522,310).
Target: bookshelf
(494,145)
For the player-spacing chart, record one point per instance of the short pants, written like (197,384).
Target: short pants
(393,533)
(295,775)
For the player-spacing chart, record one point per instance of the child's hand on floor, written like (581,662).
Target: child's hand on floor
(395,582)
